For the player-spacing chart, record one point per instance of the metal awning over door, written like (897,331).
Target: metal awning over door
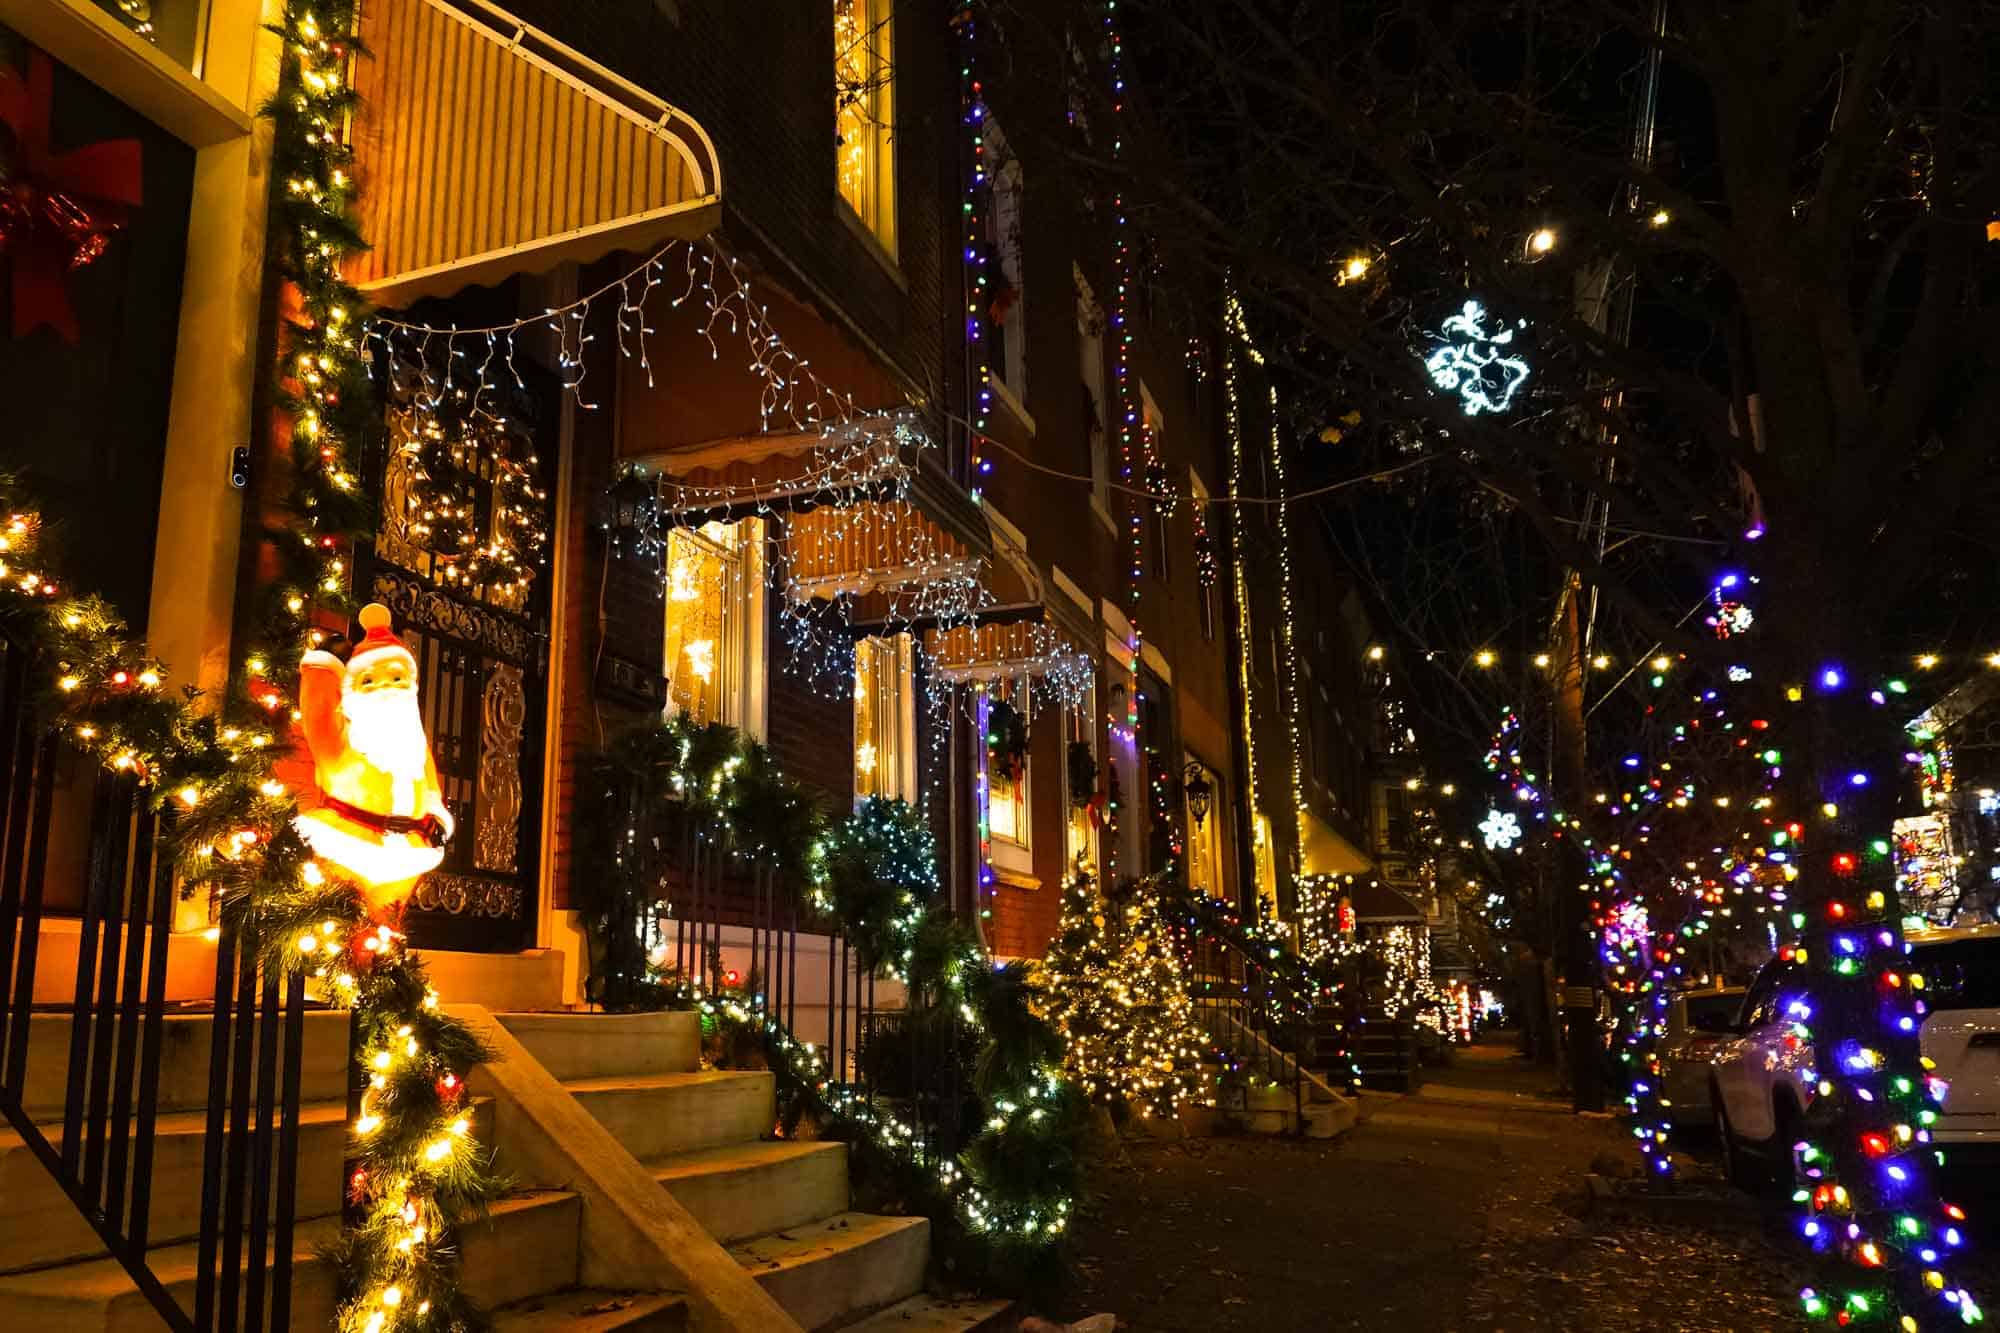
(486,148)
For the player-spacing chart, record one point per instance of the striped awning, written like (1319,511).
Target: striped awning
(486,148)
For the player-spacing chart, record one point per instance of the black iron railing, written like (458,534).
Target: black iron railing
(728,926)
(100,1148)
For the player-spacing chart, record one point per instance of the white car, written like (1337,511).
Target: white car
(1759,1092)
(1698,1023)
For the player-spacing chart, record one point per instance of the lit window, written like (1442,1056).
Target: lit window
(1084,783)
(1006,757)
(864,99)
(1267,866)
(715,591)
(884,719)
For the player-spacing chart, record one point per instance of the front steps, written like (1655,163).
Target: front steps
(781,1206)
(522,1262)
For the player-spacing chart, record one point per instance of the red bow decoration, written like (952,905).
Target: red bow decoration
(57,210)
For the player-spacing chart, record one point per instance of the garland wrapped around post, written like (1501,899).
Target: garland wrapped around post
(413,1172)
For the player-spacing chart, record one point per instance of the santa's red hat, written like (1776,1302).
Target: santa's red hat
(378,641)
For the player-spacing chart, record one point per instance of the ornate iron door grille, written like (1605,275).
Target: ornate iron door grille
(482,651)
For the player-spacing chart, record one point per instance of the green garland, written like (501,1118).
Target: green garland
(1000,1208)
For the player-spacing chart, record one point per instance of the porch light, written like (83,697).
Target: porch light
(1199,791)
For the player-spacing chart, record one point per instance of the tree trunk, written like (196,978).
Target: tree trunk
(1576,947)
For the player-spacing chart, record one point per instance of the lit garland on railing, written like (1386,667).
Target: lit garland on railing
(873,877)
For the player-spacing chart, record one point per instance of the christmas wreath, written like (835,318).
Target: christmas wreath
(1006,740)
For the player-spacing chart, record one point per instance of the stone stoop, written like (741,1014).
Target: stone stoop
(524,1251)
(937,1314)
(522,1261)
(781,1206)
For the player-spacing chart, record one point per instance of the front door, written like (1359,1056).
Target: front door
(460,558)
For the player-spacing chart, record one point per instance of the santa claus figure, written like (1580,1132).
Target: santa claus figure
(381,817)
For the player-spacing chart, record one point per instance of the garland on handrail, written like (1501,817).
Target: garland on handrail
(1001,1204)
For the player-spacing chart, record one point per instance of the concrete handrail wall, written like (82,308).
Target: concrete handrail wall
(635,1236)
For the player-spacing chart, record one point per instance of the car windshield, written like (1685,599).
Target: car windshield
(1710,1008)
(1960,974)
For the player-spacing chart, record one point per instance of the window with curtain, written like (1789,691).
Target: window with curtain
(714,597)
(864,100)
(884,720)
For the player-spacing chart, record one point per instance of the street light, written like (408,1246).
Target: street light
(1541,240)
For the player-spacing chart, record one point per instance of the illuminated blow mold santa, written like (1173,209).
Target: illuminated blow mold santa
(382,818)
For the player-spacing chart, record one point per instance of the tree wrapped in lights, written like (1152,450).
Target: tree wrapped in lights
(1116,989)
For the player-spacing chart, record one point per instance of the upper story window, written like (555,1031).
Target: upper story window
(1096,405)
(864,101)
(1008,307)
(714,622)
(884,719)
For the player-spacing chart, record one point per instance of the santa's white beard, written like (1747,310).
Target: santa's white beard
(386,728)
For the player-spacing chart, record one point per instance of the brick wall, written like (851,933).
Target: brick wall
(757,75)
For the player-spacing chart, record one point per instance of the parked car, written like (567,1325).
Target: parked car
(1759,1092)
(1698,1023)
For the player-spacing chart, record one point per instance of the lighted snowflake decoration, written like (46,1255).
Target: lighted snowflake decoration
(1500,829)
(1474,365)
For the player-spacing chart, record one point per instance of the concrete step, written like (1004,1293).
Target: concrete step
(752,1189)
(657,1115)
(39,1225)
(937,1314)
(588,1046)
(518,1252)
(587,1310)
(843,1267)
(184,1049)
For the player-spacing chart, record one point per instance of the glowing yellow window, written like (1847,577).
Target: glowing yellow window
(714,592)
(864,102)
(884,719)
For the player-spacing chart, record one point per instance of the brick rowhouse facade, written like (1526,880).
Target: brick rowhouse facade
(890,333)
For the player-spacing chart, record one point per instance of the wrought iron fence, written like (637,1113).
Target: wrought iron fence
(728,925)
(97,1138)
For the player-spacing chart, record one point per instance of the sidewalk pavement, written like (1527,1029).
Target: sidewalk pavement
(1456,1208)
